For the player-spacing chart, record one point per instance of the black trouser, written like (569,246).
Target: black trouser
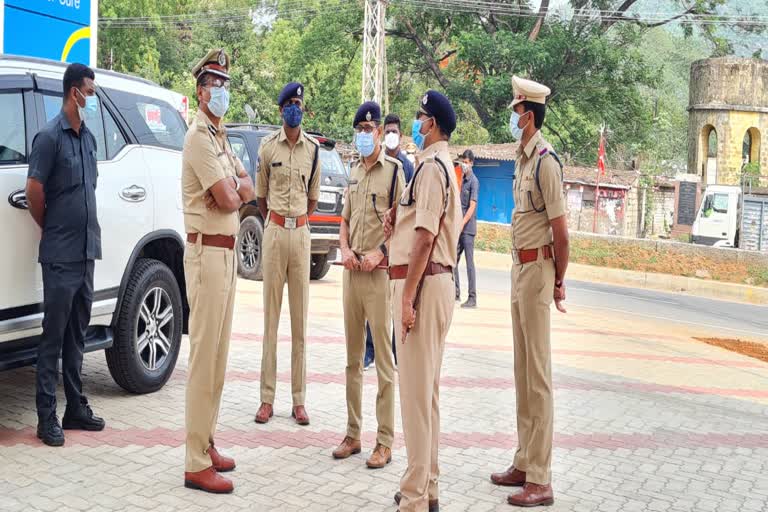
(370,353)
(467,246)
(68,295)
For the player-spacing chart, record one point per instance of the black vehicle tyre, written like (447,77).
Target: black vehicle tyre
(319,266)
(147,329)
(249,248)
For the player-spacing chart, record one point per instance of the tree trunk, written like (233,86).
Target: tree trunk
(539,20)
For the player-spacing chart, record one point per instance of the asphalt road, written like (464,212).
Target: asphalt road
(721,317)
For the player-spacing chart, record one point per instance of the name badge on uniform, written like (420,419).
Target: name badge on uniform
(353,182)
(277,164)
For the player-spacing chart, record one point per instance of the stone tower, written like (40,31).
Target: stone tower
(728,118)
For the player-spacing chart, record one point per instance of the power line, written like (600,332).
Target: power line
(298,8)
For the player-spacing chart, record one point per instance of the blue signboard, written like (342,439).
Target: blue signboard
(62,30)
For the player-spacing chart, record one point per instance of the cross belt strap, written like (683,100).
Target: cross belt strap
(401,271)
(287,222)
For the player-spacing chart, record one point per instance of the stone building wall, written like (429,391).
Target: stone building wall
(730,96)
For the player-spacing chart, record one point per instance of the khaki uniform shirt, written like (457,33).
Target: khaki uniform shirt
(206,159)
(368,199)
(430,199)
(531,229)
(284,173)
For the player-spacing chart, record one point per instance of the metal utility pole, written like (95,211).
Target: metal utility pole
(375,54)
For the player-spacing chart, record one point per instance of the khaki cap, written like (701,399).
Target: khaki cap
(215,62)
(528,90)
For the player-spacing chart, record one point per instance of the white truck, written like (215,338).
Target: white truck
(732,217)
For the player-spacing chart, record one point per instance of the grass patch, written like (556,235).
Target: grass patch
(627,255)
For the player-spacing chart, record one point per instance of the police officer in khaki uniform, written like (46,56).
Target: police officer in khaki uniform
(540,254)
(214,186)
(376,182)
(427,223)
(287,188)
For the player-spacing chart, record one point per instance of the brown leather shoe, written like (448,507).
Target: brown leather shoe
(221,463)
(380,457)
(299,413)
(512,477)
(265,412)
(434,505)
(347,448)
(208,480)
(533,495)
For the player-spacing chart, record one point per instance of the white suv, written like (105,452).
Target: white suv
(140,308)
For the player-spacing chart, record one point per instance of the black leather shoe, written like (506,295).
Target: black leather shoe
(49,432)
(82,419)
(471,303)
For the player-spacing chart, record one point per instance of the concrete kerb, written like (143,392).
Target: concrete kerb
(660,282)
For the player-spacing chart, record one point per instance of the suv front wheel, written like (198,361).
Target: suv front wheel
(319,266)
(249,248)
(147,329)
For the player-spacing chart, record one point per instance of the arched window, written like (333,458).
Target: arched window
(708,152)
(751,147)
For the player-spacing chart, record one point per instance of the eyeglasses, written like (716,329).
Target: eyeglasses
(217,82)
(367,128)
(420,113)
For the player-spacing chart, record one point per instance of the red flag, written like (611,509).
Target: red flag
(601,157)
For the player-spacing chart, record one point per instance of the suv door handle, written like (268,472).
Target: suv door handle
(134,193)
(18,199)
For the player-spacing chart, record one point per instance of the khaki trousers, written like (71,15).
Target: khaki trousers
(367,297)
(419,362)
(211,276)
(532,286)
(286,258)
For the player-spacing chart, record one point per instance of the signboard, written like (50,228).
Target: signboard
(686,203)
(62,30)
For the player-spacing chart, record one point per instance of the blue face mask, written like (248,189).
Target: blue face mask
(418,137)
(90,108)
(219,102)
(514,129)
(364,142)
(292,115)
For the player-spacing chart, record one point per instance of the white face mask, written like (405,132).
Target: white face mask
(392,141)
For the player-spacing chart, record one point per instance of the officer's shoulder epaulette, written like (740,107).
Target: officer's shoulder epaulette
(271,137)
(393,160)
(311,139)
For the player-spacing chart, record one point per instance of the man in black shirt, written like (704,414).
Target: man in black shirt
(61,191)
(470,187)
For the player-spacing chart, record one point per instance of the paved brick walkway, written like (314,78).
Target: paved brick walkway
(646,420)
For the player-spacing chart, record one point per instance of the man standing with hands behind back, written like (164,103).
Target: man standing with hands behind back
(214,186)
(61,190)
(540,257)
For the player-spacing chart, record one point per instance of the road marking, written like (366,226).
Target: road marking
(659,301)
(677,320)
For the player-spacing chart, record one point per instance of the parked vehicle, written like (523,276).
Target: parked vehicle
(325,223)
(732,217)
(139,310)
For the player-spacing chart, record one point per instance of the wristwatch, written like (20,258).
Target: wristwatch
(237,183)
(384,251)
(558,283)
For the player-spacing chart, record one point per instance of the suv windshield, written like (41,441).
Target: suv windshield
(331,162)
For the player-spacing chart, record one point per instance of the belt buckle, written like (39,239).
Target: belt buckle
(515,257)
(290,223)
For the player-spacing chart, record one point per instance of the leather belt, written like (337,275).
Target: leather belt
(401,271)
(523,256)
(287,222)
(222,241)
